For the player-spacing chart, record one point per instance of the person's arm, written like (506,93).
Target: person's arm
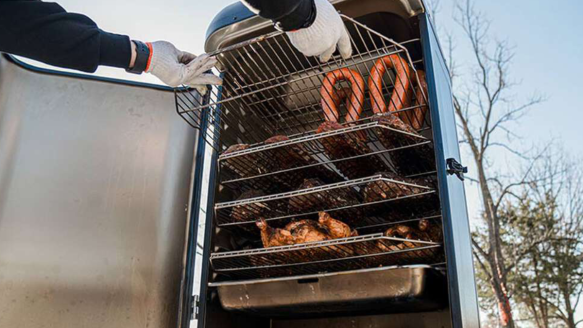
(288,15)
(46,32)
(314,27)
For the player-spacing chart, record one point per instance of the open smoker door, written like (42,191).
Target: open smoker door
(458,248)
(95,176)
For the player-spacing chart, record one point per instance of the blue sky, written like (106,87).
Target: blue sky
(545,38)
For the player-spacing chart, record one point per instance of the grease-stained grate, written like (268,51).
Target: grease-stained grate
(350,201)
(326,256)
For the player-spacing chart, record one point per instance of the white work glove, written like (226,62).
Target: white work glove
(324,35)
(176,68)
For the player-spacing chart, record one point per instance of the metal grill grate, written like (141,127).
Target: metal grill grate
(327,256)
(350,201)
(283,165)
(272,89)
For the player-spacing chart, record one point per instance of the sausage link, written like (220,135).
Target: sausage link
(417,118)
(401,97)
(331,98)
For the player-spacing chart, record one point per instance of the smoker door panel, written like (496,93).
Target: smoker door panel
(94,187)
(458,248)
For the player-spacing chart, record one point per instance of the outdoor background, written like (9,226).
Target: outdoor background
(545,36)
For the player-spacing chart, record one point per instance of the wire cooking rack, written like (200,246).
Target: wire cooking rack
(271,89)
(350,201)
(326,256)
(283,165)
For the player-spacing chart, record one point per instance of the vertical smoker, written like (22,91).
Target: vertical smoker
(386,164)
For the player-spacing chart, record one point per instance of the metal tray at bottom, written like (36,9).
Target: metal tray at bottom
(370,291)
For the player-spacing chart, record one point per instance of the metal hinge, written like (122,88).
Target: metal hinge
(454,167)
(195,306)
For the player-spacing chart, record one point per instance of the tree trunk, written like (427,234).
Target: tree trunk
(570,322)
(495,258)
(506,319)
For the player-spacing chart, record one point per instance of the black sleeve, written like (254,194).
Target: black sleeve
(288,15)
(46,32)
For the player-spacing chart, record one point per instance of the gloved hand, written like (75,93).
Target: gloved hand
(176,68)
(324,35)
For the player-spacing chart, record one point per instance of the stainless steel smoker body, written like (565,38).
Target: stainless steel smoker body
(114,212)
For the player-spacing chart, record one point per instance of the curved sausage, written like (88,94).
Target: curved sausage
(417,118)
(401,97)
(331,97)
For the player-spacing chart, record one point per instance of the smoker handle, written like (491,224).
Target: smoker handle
(308,280)
(454,167)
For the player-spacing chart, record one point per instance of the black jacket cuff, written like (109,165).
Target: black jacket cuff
(301,17)
(115,50)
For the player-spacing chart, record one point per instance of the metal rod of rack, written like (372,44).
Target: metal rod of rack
(352,201)
(325,256)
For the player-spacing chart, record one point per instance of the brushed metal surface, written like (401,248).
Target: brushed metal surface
(94,185)
(381,290)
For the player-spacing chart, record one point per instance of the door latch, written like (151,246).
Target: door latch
(195,307)
(454,167)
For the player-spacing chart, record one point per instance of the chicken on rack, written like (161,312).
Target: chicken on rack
(392,186)
(273,237)
(304,231)
(295,156)
(336,228)
(320,200)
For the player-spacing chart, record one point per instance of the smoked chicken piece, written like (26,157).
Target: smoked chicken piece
(321,200)
(246,165)
(348,145)
(430,231)
(306,231)
(296,156)
(422,230)
(272,237)
(407,161)
(397,231)
(381,189)
(400,231)
(248,212)
(289,156)
(336,229)
(296,232)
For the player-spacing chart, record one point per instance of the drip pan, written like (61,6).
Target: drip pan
(380,290)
